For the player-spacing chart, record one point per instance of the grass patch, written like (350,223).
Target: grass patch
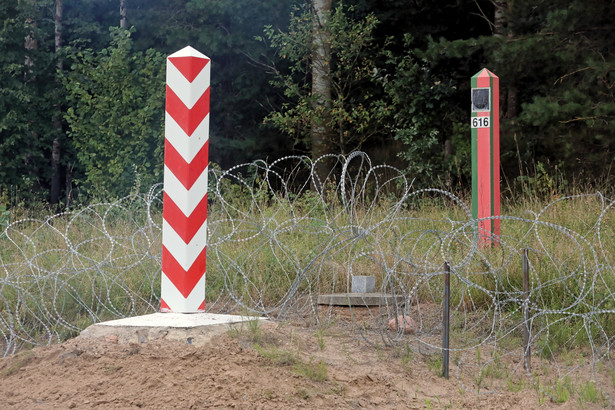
(406,355)
(589,393)
(561,391)
(514,386)
(434,363)
(17,362)
(251,331)
(303,394)
(315,370)
(320,338)
(277,357)
(312,370)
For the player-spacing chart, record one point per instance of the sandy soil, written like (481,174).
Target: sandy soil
(288,371)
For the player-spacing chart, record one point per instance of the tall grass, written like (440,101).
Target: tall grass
(274,251)
(275,244)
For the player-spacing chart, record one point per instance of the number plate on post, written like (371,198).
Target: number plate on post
(480,122)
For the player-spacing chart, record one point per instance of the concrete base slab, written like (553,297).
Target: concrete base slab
(359,299)
(191,328)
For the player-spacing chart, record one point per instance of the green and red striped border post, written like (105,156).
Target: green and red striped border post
(485,123)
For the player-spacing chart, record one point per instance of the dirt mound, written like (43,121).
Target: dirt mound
(250,367)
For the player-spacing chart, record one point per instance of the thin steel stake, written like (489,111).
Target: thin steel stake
(526,312)
(446,319)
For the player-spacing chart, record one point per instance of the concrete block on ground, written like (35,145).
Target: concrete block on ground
(363,284)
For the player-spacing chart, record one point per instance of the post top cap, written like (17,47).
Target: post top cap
(188,52)
(484,73)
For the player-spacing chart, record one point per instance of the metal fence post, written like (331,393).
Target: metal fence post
(446,319)
(526,312)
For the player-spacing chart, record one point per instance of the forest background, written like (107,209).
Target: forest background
(82,86)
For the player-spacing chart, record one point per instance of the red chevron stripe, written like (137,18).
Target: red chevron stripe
(183,280)
(185,226)
(165,308)
(190,67)
(187,118)
(187,173)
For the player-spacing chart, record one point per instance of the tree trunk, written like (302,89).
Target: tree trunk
(123,20)
(512,102)
(321,86)
(503,27)
(54,193)
(448,153)
(31,44)
(69,185)
(499,18)
(56,149)
(58,30)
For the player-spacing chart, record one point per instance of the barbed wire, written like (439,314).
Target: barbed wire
(282,235)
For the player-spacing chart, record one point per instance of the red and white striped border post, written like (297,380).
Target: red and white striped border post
(186,152)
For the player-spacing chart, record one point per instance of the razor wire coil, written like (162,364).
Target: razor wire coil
(280,235)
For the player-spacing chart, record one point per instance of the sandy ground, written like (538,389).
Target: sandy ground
(295,367)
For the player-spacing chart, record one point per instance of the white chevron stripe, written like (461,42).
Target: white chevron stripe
(187,146)
(188,52)
(185,199)
(188,92)
(185,254)
(176,301)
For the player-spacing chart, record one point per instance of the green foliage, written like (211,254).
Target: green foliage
(562,334)
(116,115)
(88,21)
(397,72)
(555,110)
(4,216)
(574,101)
(544,183)
(357,110)
(425,118)
(240,93)
(27,97)
(377,92)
